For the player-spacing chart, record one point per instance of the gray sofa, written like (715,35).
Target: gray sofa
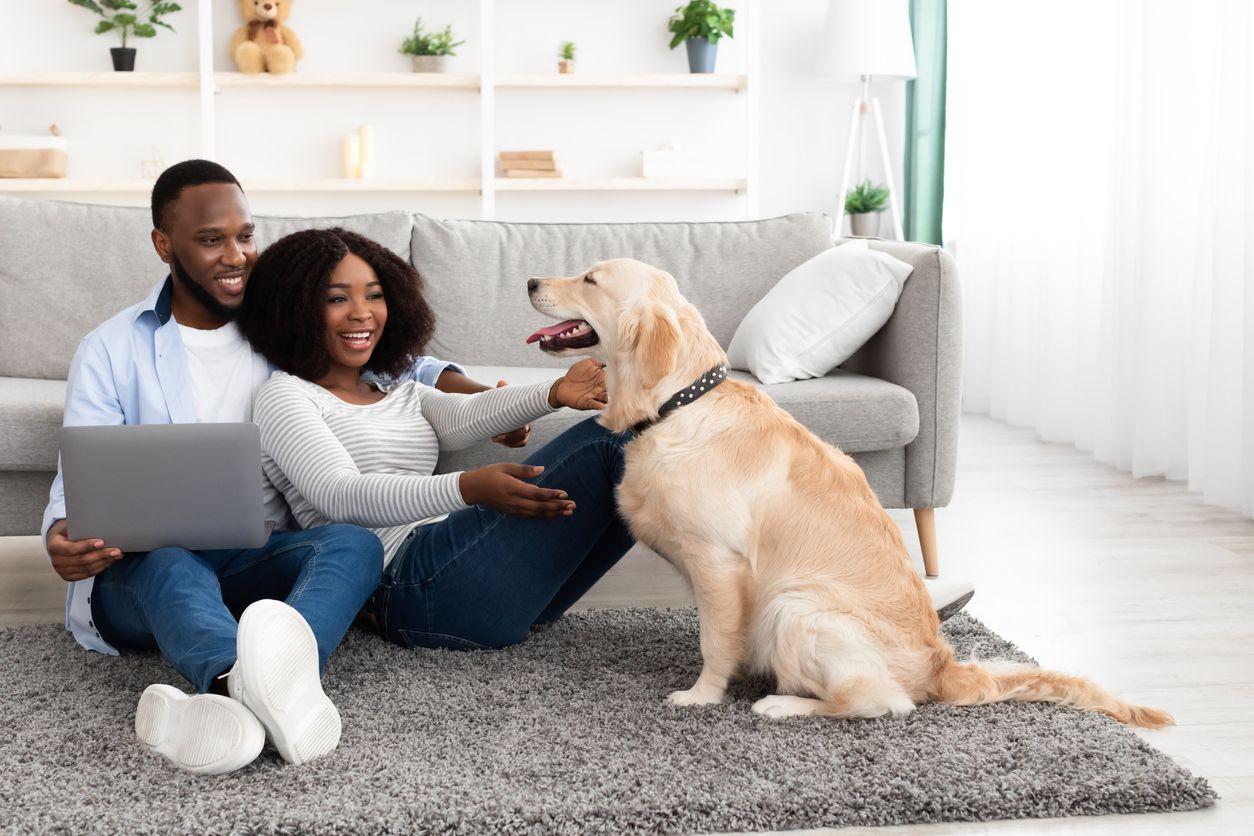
(894,406)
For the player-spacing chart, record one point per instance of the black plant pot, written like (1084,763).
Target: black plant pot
(123,58)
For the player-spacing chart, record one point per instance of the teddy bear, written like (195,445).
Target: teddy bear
(263,43)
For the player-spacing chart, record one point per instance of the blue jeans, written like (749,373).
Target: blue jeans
(186,604)
(481,578)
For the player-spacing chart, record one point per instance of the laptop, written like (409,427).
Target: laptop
(146,486)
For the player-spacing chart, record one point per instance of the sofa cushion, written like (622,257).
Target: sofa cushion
(854,412)
(25,497)
(867,417)
(391,229)
(30,413)
(476,272)
(96,260)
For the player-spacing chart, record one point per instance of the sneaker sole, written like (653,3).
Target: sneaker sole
(206,734)
(279,664)
(954,607)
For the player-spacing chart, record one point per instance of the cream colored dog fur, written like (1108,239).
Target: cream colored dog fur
(796,568)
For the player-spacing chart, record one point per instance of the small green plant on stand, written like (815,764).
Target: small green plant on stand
(862,204)
(566,57)
(699,26)
(429,51)
(866,198)
(124,17)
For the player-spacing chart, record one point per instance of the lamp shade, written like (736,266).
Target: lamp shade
(867,38)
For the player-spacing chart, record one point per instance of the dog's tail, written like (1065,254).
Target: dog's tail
(976,683)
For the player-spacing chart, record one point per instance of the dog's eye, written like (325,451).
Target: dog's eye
(588,279)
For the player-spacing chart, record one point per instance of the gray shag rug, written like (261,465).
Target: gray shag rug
(566,733)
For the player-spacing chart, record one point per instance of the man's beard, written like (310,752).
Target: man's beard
(206,299)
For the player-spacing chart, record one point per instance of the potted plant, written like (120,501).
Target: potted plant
(429,51)
(124,16)
(863,204)
(566,57)
(701,24)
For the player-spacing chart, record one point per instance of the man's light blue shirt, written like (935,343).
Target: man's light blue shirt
(133,370)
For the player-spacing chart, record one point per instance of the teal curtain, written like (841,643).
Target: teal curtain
(925,124)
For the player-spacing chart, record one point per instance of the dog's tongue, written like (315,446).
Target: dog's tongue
(553,330)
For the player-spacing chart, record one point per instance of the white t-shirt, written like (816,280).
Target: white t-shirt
(225,373)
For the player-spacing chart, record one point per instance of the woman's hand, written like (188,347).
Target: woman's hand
(583,387)
(500,487)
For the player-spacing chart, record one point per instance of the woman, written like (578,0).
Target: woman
(473,559)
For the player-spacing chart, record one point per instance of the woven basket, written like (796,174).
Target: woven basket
(32,156)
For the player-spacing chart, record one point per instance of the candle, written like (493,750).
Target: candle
(366,140)
(352,157)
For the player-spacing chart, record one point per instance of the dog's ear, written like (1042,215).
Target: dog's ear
(651,336)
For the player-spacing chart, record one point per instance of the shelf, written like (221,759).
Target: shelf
(541,81)
(100,79)
(377,80)
(446,184)
(451,184)
(466,184)
(67,185)
(621,184)
(557,81)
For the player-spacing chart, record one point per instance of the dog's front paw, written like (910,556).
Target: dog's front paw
(694,696)
(779,706)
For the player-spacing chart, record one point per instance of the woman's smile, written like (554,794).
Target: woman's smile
(360,340)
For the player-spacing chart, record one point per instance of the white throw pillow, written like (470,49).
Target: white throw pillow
(819,314)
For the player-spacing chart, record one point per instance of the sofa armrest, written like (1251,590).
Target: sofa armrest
(920,349)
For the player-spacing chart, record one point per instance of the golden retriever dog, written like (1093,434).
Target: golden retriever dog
(796,568)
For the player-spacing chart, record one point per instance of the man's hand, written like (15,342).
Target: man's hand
(75,560)
(513,438)
(583,386)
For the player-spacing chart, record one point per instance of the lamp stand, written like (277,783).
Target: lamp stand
(861,107)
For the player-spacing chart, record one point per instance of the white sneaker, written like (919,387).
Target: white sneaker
(276,677)
(948,596)
(206,733)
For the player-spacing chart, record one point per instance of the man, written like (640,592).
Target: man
(177,357)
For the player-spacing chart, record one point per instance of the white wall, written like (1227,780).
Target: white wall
(265,134)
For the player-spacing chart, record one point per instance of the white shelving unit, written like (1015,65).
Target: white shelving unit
(621,184)
(211,84)
(645,81)
(101,79)
(447,81)
(467,184)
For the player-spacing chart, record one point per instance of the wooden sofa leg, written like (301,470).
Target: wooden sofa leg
(925,521)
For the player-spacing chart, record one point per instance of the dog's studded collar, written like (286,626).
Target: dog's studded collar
(699,387)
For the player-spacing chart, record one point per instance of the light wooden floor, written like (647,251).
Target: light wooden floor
(1133,582)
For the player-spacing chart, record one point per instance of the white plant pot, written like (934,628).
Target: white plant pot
(865,224)
(429,63)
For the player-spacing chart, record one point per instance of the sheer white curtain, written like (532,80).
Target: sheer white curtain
(1100,204)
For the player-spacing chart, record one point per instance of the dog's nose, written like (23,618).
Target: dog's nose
(532,284)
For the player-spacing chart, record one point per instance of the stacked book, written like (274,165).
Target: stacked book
(529,163)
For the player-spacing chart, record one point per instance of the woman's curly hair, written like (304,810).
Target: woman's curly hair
(283,313)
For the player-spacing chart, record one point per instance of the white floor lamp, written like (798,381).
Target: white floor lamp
(868,40)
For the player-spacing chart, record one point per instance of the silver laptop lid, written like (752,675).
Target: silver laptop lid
(142,487)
